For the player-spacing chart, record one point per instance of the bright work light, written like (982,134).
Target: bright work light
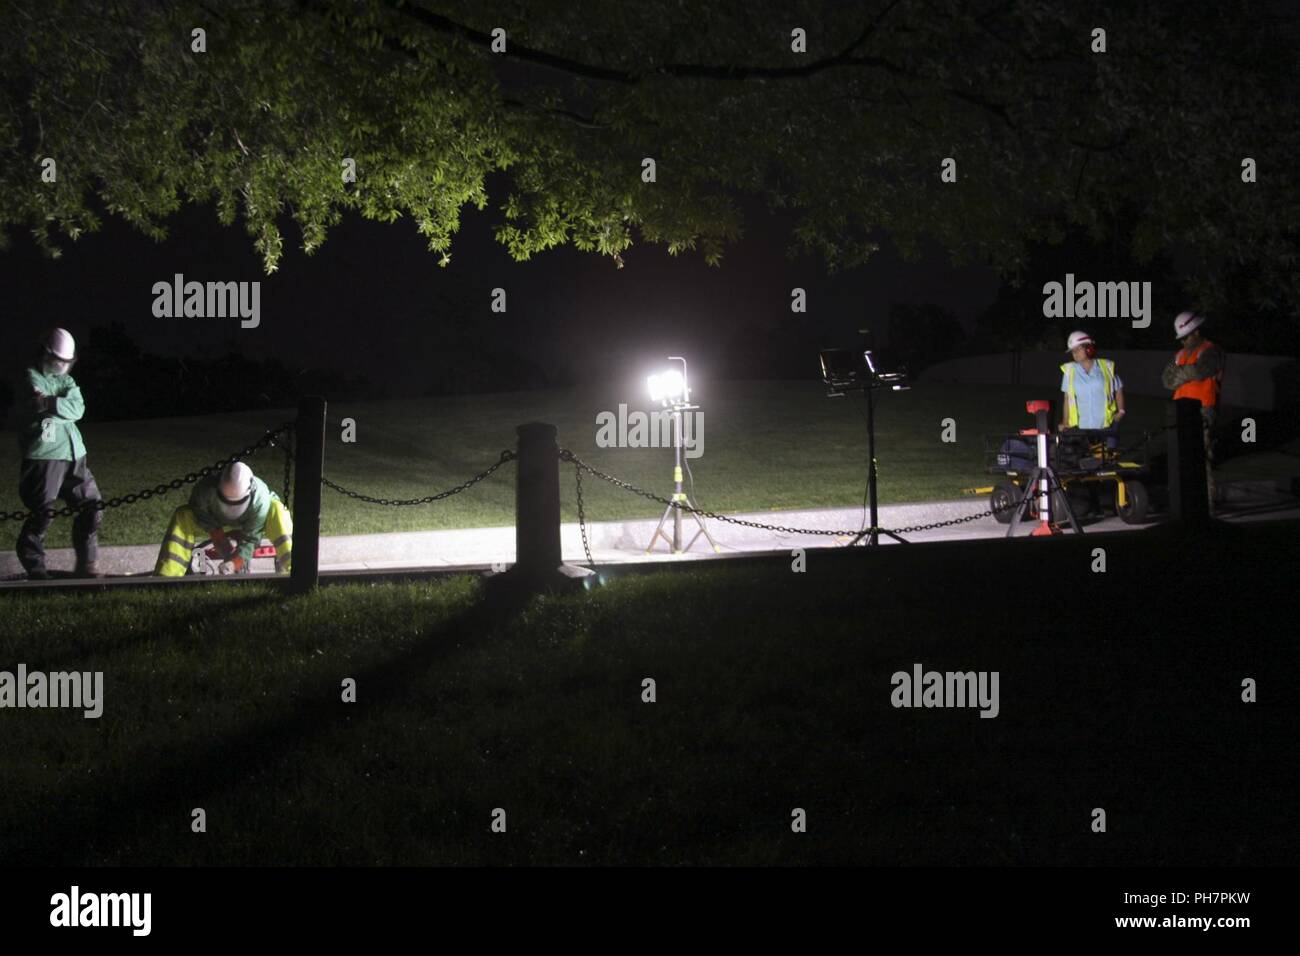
(668,387)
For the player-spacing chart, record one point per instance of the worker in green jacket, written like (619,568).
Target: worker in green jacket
(54,461)
(235,510)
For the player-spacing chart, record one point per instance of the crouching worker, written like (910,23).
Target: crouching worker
(235,510)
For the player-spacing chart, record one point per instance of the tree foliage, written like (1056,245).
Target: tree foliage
(1144,140)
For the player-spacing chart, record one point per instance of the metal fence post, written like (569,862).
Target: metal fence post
(538,557)
(537,500)
(309,466)
(1188,489)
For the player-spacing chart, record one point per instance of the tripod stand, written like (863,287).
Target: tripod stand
(1042,482)
(679,496)
(872,534)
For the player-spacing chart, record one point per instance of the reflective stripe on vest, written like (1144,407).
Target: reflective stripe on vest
(1205,390)
(1108,383)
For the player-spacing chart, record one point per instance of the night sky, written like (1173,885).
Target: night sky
(373,300)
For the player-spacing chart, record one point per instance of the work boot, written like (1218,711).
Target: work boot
(86,569)
(38,574)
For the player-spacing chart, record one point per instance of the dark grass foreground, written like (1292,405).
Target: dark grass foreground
(1121,690)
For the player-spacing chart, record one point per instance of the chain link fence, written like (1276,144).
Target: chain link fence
(282,437)
(579,466)
(506,456)
(268,440)
(287,445)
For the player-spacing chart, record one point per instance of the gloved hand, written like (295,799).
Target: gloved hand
(232,566)
(42,403)
(222,543)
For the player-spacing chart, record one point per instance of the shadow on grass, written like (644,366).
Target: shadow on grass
(100,814)
(1122,690)
(82,648)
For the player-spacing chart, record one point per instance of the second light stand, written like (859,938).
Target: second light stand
(872,534)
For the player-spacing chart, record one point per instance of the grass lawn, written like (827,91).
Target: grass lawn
(1121,691)
(766,445)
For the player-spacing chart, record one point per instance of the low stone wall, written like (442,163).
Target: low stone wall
(1250,381)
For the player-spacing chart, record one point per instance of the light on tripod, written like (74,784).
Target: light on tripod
(669,387)
(855,370)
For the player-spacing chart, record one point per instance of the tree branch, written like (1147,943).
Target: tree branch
(869,29)
(441,24)
(587,122)
(844,58)
(438,22)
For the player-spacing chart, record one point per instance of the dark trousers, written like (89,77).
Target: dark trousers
(1209,414)
(40,485)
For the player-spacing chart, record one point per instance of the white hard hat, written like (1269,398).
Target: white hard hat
(60,344)
(235,489)
(1076,339)
(1186,323)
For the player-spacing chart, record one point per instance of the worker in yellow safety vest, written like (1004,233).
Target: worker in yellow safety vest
(1092,390)
(234,509)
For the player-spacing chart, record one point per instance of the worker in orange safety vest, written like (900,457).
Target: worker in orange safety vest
(1197,372)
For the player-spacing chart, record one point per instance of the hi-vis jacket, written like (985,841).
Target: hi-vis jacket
(204,501)
(1206,361)
(53,435)
(1108,381)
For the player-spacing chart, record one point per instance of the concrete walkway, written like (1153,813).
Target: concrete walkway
(620,542)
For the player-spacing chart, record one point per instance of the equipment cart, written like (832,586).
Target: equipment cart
(1096,463)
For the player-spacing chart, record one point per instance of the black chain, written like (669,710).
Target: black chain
(506,456)
(580,465)
(161,489)
(582,514)
(288,466)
